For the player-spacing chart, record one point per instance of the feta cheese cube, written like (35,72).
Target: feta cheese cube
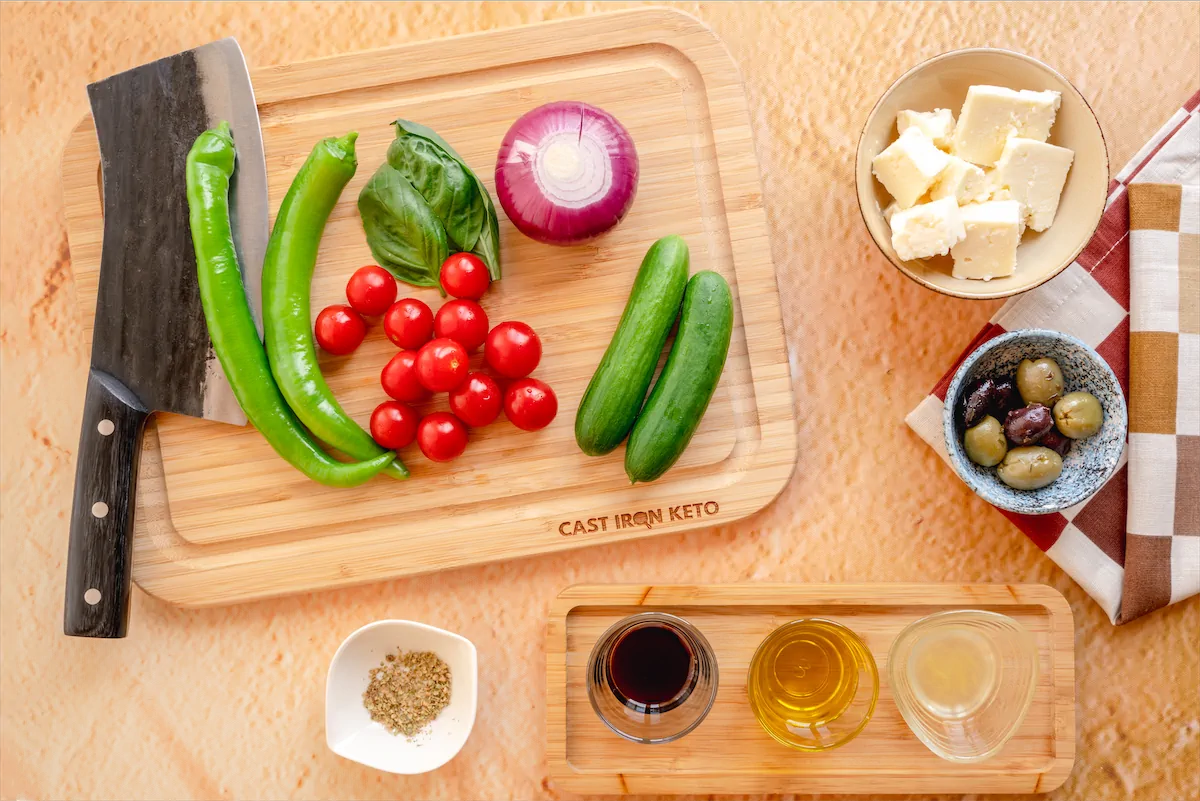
(890,210)
(992,113)
(938,124)
(1002,193)
(908,166)
(962,181)
(989,247)
(1033,173)
(929,229)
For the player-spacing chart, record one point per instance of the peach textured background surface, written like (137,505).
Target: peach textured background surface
(227,703)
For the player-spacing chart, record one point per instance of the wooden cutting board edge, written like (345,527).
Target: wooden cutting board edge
(676,596)
(178,572)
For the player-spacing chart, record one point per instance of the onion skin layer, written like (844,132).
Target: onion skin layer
(566,172)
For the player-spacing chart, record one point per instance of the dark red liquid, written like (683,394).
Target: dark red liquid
(650,665)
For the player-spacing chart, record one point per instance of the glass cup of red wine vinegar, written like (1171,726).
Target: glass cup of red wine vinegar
(652,677)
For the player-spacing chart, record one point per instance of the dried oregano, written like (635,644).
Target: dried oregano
(407,691)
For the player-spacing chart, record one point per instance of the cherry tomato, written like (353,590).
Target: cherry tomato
(442,436)
(464,321)
(394,425)
(399,378)
(513,350)
(477,400)
(408,323)
(530,404)
(464,275)
(340,330)
(441,365)
(371,290)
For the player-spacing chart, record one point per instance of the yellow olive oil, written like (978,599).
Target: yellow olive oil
(812,684)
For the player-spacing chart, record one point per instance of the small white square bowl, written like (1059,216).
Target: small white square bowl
(349,730)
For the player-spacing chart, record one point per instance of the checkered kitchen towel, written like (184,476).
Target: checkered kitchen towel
(1162,547)
(1091,300)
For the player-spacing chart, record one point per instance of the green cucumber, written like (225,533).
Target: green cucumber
(679,399)
(614,396)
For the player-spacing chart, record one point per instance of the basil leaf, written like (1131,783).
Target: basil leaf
(447,186)
(488,245)
(417,129)
(404,235)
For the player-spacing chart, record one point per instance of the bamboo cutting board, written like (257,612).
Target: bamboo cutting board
(730,753)
(221,518)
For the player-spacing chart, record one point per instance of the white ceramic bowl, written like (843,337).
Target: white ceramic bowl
(349,730)
(942,82)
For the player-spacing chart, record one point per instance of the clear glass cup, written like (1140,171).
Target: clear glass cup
(813,684)
(633,672)
(963,681)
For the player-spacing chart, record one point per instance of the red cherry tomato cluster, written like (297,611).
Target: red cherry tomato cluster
(340,329)
(434,357)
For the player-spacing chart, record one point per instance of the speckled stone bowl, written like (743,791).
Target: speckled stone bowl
(1091,461)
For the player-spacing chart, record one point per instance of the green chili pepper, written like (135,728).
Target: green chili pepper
(231,326)
(287,321)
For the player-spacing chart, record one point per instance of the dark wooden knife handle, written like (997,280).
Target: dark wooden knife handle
(100,556)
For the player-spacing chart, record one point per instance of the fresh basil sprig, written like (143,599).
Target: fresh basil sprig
(487,245)
(423,203)
(404,234)
(446,185)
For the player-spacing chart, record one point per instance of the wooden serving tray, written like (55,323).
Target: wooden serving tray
(221,518)
(730,753)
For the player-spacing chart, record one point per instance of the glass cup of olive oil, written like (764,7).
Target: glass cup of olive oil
(652,677)
(813,684)
(963,681)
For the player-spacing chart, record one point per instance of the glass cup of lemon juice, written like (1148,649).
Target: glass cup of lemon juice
(963,681)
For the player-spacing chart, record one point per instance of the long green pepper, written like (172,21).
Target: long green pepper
(286,281)
(231,326)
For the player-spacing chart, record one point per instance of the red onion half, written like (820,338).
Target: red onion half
(567,171)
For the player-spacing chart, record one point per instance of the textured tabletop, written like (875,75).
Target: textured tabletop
(227,703)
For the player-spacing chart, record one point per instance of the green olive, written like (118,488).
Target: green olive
(1078,415)
(985,443)
(1040,381)
(1030,468)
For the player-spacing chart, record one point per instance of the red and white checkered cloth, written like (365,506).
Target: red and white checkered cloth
(1091,300)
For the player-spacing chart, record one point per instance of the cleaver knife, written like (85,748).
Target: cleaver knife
(151,350)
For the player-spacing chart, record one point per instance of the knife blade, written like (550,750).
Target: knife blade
(151,350)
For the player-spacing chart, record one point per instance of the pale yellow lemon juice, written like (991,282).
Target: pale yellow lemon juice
(952,671)
(963,681)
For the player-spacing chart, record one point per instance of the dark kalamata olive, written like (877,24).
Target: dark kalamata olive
(1026,426)
(1006,397)
(1056,442)
(978,402)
